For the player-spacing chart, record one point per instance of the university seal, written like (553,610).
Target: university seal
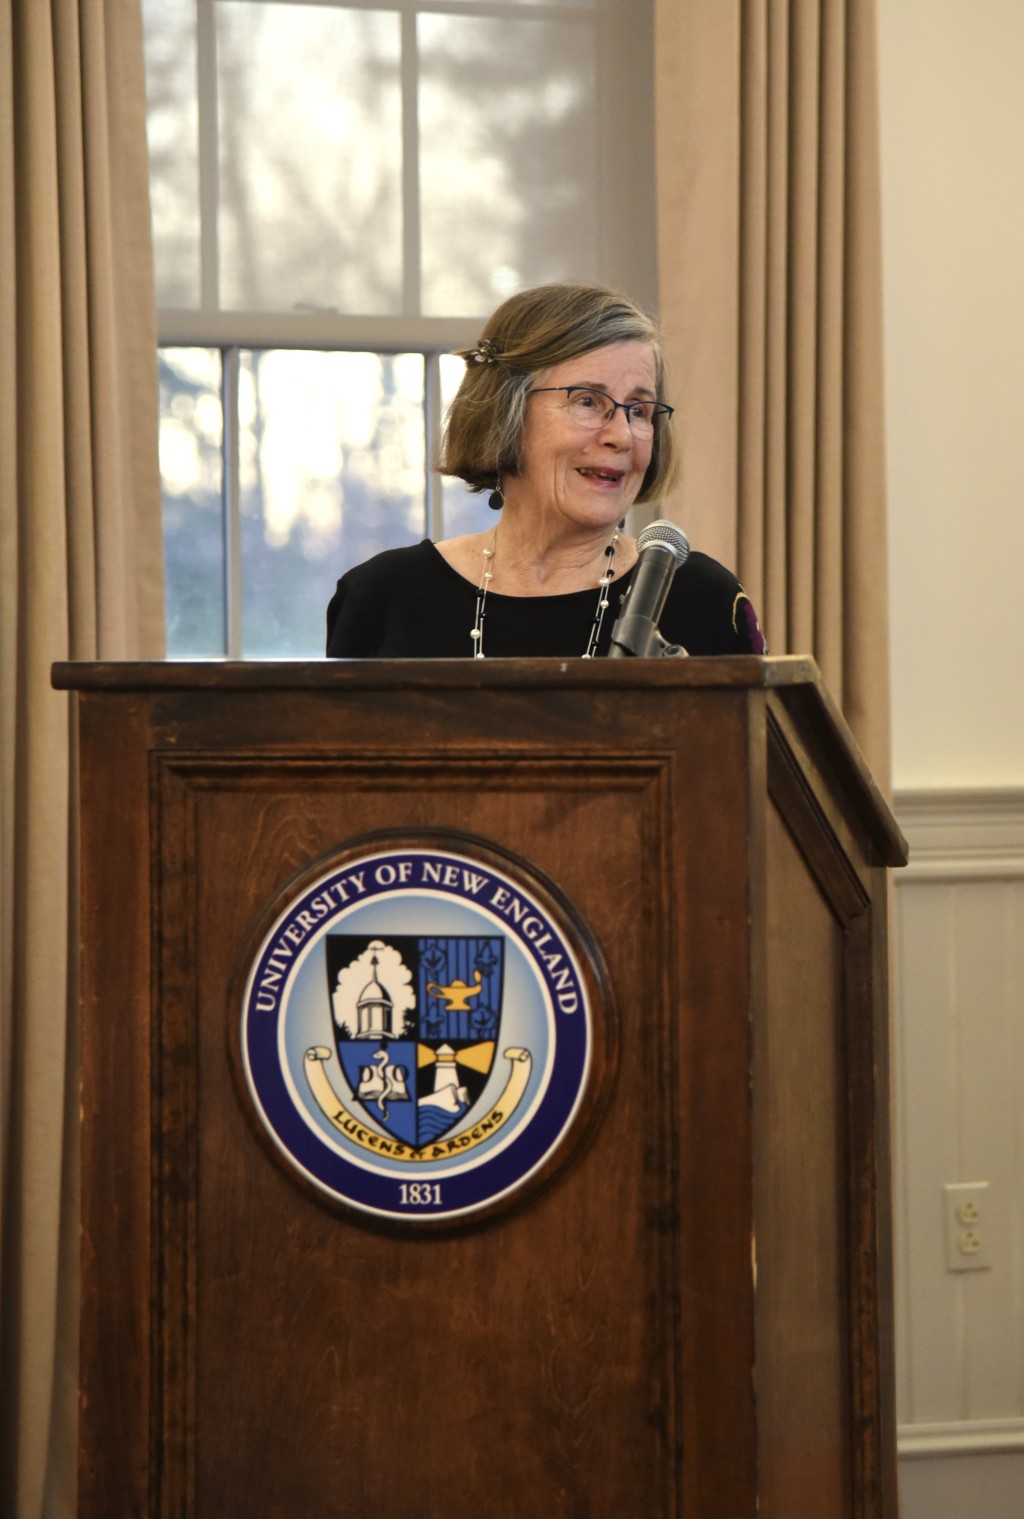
(417,1033)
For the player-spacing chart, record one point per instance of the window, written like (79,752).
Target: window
(341,193)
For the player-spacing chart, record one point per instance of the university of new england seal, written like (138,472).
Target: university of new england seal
(417,1033)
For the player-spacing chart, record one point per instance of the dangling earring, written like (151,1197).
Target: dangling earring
(496,500)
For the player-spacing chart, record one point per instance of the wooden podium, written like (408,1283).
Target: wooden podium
(688,1311)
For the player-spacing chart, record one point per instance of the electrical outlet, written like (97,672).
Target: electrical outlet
(968,1206)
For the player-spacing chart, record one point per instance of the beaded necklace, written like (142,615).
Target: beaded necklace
(477,633)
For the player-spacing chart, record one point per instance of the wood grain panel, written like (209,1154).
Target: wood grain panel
(801,1244)
(576,1338)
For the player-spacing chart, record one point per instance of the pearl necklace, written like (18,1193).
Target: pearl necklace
(477,634)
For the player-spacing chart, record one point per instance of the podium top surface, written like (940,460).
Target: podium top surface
(794,680)
(734,670)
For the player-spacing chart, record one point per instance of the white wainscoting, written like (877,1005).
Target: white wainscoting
(958,956)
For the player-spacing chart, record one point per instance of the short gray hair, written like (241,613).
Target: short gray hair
(527,335)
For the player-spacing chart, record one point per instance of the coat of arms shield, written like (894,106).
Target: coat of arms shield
(416,1025)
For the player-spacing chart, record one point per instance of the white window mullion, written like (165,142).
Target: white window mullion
(231,361)
(432,429)
(411,228)
(209,156)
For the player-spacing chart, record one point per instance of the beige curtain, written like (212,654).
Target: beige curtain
(80,577)
(770,259)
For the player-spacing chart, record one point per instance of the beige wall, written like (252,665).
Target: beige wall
(952,125)
(953,216)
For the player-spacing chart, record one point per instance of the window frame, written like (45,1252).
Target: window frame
(616,33)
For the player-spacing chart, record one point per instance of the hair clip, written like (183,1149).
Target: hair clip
(485,352)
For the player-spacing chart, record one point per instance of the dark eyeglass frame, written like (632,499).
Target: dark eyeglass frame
(658,408)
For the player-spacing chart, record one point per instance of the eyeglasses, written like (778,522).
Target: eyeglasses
(593,408)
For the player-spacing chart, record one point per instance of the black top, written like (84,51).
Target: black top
(409,603)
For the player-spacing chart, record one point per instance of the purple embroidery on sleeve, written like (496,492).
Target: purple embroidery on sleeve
(754,635)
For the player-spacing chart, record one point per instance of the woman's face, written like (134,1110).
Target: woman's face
(590,478)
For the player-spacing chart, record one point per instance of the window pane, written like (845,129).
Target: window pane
(191,425)
(463,510)
(509,158)
(171,128)
(310,158)
(332,465)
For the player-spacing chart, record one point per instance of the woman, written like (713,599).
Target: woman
(559,417)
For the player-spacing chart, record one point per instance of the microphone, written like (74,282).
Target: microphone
(662,549)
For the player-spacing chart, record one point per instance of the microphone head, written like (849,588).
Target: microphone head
(664,535)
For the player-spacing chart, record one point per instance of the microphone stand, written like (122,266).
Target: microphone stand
(637,637)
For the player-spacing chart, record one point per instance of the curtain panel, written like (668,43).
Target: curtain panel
(80,578)
(769,249)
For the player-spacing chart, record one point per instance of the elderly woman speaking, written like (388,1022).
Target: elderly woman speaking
(560,418)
